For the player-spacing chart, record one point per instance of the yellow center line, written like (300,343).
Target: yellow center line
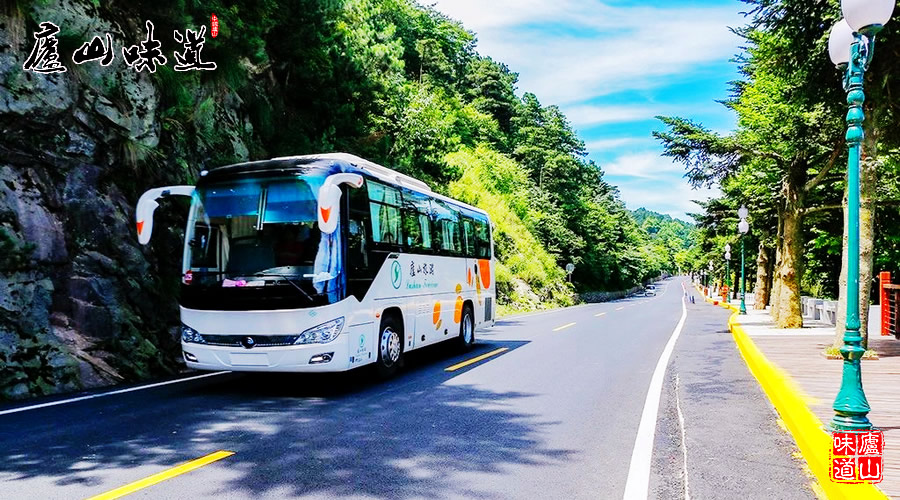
(476,359)
(558,328)
(600,314)
(162,476)
(620,308)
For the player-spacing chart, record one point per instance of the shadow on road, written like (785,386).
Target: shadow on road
(336,435)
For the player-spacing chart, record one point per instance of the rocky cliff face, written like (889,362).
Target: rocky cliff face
(82,304)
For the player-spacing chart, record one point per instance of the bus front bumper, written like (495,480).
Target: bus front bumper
(330,357)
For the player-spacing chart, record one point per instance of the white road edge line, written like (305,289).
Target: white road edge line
(687,491)
(110,393)
(638,484)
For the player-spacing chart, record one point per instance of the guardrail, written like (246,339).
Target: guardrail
(890,312)
(607,296)
(819,309)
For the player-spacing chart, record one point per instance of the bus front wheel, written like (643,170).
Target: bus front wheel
(390,347)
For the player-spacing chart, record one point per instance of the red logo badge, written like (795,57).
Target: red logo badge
(214,26)
(857,456)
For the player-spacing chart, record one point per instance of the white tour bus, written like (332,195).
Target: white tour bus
(325,263)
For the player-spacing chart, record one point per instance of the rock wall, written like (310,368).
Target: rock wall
(82,304)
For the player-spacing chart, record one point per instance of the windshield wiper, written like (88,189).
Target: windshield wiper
(286,278)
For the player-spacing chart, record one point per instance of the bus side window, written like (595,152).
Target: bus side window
(384,206)
(424,222)
(468,236)
(482,239)
(447,239)
(437,239)
(416,225)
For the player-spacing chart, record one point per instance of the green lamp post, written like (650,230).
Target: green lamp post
(850,45)
(743,228)
(727,273)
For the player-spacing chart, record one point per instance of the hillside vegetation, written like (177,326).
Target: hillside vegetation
(82,304)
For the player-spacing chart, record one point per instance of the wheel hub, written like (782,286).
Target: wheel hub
(390,346)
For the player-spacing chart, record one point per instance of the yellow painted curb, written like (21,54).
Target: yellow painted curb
(808,432)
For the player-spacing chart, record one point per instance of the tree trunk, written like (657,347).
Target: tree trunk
(761,297)
(770,269)
(840,322)
(788,298)
(868,180)
(776,278)
(736,283)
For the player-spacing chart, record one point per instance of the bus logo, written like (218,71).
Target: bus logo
(396,274)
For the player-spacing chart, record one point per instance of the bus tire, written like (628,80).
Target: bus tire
(390,346)
(467,328)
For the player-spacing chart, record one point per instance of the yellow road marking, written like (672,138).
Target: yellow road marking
(620,308)
(476,359)
(558,328)
(162,476)
(600,314)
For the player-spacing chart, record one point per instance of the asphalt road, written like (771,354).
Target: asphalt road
(553,416)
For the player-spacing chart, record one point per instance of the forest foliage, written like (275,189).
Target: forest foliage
(403,85)
(786,161)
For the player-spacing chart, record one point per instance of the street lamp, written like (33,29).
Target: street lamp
(743,228)
(727,272)
(710,275)
(850,45)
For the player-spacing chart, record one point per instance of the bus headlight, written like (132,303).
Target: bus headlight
(326,332)
(188,334)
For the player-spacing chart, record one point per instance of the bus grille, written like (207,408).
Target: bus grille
(488,308)
(261,340)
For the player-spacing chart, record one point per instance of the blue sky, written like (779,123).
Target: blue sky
(612,66)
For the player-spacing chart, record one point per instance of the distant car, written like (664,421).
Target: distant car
(650,291)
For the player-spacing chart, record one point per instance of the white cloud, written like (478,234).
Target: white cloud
(674,199)
(603,49)
(648,180)
(588,115)
(480,15)
(647,165)
(600,145)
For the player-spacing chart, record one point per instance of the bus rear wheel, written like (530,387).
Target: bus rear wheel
(390,347)
(467,329)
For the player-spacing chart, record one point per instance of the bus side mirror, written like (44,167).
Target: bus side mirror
(330,197)
(147,204)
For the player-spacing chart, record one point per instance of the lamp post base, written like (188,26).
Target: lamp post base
(848,422)
(850,405)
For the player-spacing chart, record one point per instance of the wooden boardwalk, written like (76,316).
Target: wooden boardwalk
(800,355)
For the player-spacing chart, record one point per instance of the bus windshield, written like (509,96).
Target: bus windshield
(259,241)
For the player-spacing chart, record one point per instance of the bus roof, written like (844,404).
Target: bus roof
(291,164)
